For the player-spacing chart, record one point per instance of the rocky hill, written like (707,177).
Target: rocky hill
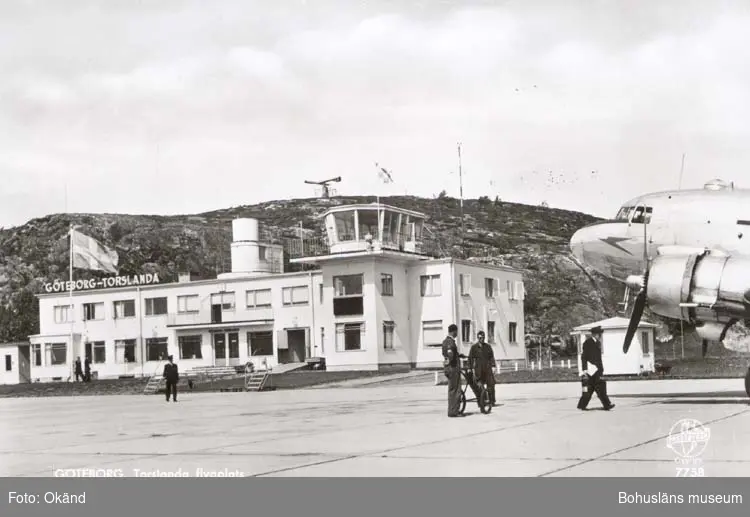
(534,239)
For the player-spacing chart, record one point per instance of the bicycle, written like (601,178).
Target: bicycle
(483,399)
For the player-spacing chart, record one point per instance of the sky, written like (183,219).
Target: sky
(170,107)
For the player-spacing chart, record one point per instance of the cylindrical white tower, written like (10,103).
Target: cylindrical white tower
(247,258)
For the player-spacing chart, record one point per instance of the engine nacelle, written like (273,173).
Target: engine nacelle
(700,287)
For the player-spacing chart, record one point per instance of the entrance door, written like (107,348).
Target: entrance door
(226,348)
(24,363)
(220,349)
(234,348)
(297,341)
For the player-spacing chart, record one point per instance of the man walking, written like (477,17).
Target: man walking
(452,369)
(171,375)
(482,361)
(592,353)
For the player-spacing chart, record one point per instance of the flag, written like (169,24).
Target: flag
(88,253)
(383,174)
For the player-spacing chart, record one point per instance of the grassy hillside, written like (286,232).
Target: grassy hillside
(534,239)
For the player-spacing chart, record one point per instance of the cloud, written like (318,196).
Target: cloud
(232,104)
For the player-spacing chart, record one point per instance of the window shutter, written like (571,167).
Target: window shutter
(521,291)
(496,289)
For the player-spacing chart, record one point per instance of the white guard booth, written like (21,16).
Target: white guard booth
(640,356)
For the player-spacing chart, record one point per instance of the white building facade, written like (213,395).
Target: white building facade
(376,300)
(640,356)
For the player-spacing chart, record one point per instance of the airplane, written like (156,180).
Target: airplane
(685,252)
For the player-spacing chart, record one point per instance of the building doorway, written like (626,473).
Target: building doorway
(293,345)
(226,348)
(24,363)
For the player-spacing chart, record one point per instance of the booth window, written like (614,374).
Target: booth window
(348,296)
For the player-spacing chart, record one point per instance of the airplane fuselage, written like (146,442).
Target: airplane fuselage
(714,219)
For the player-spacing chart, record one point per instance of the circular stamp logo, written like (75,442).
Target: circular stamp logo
(688,438)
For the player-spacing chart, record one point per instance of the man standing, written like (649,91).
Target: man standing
(452,369)
(87,369)
(172,376)
(482,360)
(592,353)
(79,370)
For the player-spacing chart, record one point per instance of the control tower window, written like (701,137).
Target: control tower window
(642,215)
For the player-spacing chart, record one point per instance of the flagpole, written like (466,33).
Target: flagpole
(71,312)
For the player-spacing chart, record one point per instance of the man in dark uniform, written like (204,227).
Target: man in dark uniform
(482,361)
(592,353)
(172,376)
(79,369)
(87,369)
(452,369)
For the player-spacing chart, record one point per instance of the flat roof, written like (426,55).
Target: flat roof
(170,285)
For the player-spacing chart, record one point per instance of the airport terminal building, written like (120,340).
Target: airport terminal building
(379,297)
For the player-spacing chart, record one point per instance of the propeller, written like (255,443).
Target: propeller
(640,300)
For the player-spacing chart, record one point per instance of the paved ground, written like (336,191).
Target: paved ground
(397,430)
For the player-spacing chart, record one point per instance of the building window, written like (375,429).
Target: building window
(125,309)
(156,306)
(125,351)
(156,349)
(348,299)
(190,346)
(234,345)
(225,300)
(262,253)
(260,343)
(188,303)
(349,336)
(388,327)
(36,351)
(515,290)
(258,299)
(466,334)
(491,287)
(491,332)
(432,333)
(57,353)
(344,226)
(96,351)
(63,313)
(512,332)
(645,343)
(295,295)
(8,363)
(465,284)
(430,285)
(386,284)
(93,311)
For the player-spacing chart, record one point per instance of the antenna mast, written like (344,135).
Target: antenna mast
(682,169)
(461,193)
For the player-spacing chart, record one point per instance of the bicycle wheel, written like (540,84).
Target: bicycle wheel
(462,404)
(484,401)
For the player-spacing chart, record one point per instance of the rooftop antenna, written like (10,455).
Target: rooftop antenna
(682,169)
(325,194)
(461,194)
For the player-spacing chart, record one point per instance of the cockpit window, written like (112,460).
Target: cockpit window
(642,215)
(624,213)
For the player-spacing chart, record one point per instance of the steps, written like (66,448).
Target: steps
(256,381)
(153,385)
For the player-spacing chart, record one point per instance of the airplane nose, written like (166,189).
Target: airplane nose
(576,244)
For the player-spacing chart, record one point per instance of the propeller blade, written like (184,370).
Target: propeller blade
(635,319)
(704,348)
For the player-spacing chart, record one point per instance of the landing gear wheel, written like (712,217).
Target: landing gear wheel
(462,404)
(747,382)
(484,402)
